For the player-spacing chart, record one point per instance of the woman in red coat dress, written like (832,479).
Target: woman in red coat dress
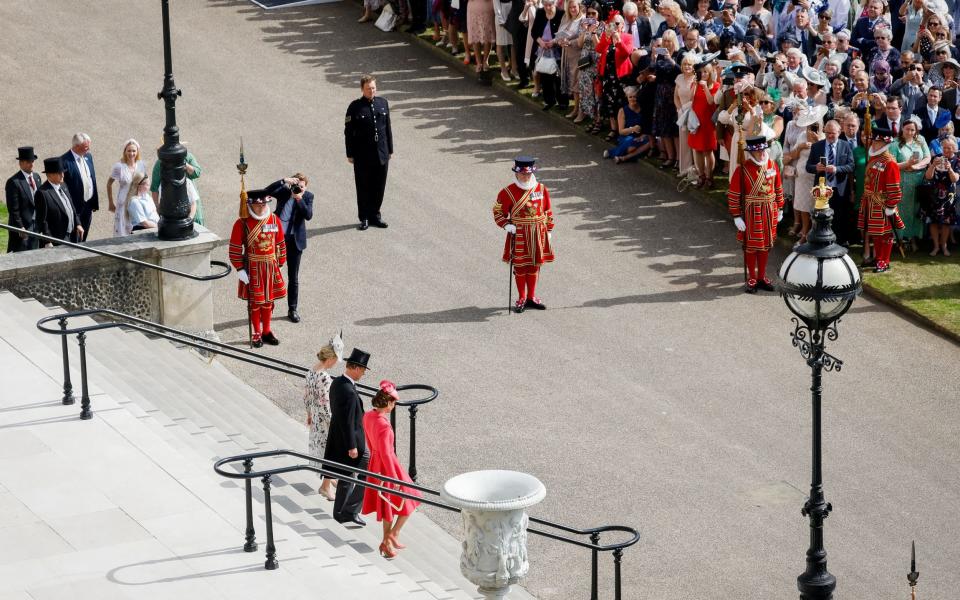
(383,460)
(703,141)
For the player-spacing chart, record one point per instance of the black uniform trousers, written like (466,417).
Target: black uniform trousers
(371,180)
(293,271)
(349,496)
(844,215)
(520,43)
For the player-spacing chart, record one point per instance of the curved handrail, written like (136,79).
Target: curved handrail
(240,458)
(217,275)
(203,343)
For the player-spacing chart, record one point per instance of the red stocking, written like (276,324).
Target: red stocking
(532,283)
(266,311)
(255,320)
(751,260)
(521,282)
(762,265)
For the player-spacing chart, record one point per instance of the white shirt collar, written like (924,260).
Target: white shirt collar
(27,176)
(76,157)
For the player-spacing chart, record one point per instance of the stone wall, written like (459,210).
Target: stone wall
(75,279)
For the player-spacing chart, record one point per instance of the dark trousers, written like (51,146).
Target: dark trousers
(86,217)
(371,181)
(550,87)
(349,497)
(293,272)
(418,10)
(520,43)
(844,216)
(15,244)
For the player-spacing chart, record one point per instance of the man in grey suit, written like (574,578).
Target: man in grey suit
(832,158)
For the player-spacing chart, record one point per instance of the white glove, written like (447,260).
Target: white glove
(549,236)
(779,216)
(242,276)
(741,225)
(889,211)
(510,228)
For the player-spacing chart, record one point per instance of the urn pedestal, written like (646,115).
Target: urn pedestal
(493,505)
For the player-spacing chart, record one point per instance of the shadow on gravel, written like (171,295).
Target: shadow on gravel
(467,314)
(638,211)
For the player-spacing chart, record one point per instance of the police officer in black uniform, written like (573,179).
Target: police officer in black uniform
(369,148)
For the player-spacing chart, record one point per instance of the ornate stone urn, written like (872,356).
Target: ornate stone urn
(494,507)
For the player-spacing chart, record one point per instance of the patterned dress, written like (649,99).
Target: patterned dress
(316,397)
(612,96)
(938,208)
(587,77)
(910,180)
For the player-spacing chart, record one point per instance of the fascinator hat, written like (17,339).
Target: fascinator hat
(336,342)
(388,388)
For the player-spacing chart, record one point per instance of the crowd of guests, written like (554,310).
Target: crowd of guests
(682,83)
(62,207)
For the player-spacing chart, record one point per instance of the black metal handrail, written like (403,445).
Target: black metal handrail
(250,544)
(214,263)
(208,345)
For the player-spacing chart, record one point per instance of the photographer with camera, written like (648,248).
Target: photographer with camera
(294,209)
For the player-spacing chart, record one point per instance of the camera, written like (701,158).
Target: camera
(295,188)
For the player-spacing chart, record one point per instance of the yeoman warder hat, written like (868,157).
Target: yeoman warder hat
(524,164)
(26,153)
(359,358)
(52,165)
(756,143)
(258,197)
(883,134)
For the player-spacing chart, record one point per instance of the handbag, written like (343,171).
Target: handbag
(386,499)
(546,64)
(586,62)
(387,19)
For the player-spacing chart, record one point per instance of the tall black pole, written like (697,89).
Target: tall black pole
(175,221)
(816,583)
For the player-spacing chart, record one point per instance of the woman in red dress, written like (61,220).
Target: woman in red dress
(703,141)
(383,460)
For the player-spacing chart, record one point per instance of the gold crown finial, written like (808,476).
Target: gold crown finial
(821,194)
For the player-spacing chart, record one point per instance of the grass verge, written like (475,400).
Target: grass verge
(3,232)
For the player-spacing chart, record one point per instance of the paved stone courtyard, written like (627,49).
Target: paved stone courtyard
(652,393)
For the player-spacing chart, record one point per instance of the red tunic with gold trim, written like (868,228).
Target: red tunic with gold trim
(266,252)
(881,189)
(762,201)
(530,211)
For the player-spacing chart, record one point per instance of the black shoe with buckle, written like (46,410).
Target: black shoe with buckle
(293,315)
(363,225)
(751,286)
(765,284)
(269,338)
(257,342)
(535,303)
(520,306)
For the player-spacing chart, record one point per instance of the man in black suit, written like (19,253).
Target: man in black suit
(892,117)
(56,214)
(20,190)
(294,209)
(636,26)
(369,140)
(345,440)
(931,114)
(851,130)
(837,167)
(81,181)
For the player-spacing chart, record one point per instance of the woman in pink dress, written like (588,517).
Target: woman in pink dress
(383,460)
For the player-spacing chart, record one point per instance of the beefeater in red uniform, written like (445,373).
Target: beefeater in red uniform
(257,252)
(523,210)
(881,194)
(758,211)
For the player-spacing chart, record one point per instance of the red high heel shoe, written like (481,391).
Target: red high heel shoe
(386,551)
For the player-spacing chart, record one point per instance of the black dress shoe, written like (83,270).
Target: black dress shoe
(379,223)
(520,306)
(293,315)
(269,338)
(535,303)
(363,225)
(765,284)
(257,343)
(356,520)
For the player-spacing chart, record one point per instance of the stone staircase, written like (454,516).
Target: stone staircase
(126,505)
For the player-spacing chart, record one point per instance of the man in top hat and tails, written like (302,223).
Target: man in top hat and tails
(755,200)
(346,443)
(881,194)
(56,215)
(20,190)
(523,210)
(257,252)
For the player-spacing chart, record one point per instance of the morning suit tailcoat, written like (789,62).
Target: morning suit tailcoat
(20,204)
(369,141)
(346,423)
(74,183)
(52,217)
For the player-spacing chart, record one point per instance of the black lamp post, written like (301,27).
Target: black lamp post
(819,283)
(175,221)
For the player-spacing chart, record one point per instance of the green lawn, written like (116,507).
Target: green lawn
(928,286)
(3,232)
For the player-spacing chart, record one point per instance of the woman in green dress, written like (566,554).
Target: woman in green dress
(912,155)
(193,173)
(859,173)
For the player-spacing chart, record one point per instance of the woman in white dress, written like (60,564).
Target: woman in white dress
(752,122)
(811,122)
(121,175)
(686,85)
(316,397)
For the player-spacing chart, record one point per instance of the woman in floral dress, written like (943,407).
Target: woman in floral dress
(587,76)
(316,397)
(939,207)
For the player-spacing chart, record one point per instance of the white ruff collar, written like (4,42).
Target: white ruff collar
(525,186)
(880,151)
(266,215)
(761,162)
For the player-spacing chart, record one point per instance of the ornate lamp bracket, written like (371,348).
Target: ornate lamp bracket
(809,341)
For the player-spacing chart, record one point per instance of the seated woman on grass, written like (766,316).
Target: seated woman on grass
(631,145)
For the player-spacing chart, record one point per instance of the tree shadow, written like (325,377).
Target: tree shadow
(467,314)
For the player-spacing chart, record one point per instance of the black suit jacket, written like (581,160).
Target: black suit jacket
(844,162)
(927,129)
(22,210)
(302,212)
(884,122)
(71,178)
(346,422)
(52,219)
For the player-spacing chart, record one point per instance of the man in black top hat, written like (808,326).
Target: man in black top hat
(345,439)
(20,190)
(56,215)
(369,140)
